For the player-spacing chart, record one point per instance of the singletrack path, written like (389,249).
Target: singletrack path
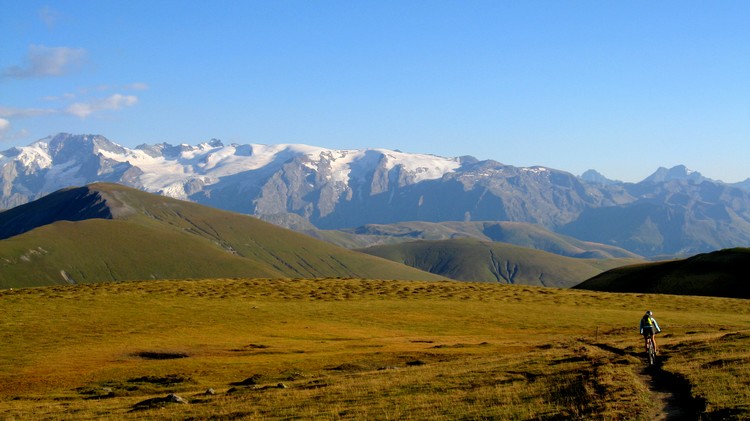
(669,399)
(670,393)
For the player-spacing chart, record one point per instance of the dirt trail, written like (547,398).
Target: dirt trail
(669,392)
(670,400)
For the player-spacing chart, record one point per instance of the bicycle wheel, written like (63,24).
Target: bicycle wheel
(651,354)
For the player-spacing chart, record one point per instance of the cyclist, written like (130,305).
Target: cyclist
(649,328)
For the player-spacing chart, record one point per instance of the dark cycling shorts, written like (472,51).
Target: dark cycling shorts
(648,331)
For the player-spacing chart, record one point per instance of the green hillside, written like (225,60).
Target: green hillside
(126,234)
(483,261)
(721,274)
(517,233)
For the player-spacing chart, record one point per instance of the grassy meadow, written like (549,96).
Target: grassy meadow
(363,349)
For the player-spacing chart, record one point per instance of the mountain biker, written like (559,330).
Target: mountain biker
(649,328)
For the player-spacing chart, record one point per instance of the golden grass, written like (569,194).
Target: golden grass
(357,349)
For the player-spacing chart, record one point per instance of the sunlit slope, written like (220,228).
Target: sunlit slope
(154,237)
(722,274)
(350,349)
(108,250)
(483,261)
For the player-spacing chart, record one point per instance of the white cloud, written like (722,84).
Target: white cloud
(113,102)
(137,86)
(49,16)
(23,133)
(79,109)
(64,97)
(5,133)
(87,90)
(25,112)
(42,61)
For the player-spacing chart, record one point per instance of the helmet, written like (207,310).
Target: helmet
(648,313)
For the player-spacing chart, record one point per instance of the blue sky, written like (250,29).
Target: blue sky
(620,87)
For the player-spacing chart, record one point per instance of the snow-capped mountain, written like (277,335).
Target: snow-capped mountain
(673,211)
(179,171)
(330,188)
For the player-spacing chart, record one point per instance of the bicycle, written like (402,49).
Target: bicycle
(649,328)
(651,351)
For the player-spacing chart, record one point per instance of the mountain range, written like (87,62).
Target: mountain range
(673,212)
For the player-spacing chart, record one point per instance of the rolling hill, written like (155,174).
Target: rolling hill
(482,261)
(108,232)
(517,233)
(721,273)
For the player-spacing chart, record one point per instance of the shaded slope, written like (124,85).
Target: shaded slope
(151,236)
(722,273)
(481,261)
(74,204)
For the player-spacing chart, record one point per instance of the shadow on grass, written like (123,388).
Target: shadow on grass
(680,403)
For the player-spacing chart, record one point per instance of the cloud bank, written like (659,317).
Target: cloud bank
(42,61)
(113,102)
(4,126)
(78,109)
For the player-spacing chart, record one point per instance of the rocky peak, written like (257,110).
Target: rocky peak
(679,172)
(595,177)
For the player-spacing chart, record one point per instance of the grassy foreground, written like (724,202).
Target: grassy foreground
(359,349)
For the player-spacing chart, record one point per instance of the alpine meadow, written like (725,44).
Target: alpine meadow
(365,349)
(374,210)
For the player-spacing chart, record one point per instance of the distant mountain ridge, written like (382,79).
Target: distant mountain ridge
(679,172)
(674,211)
(521,234)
